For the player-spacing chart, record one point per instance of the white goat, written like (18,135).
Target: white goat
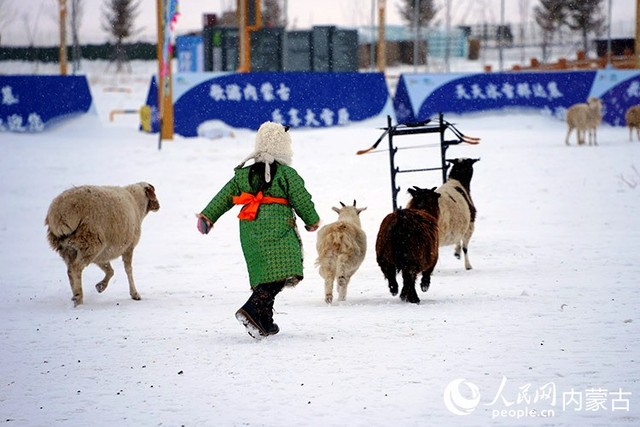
(584,118)
(96,224)
(632,117)
(341,247)
(456,222)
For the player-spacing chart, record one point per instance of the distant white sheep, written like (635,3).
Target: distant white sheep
(584,118)
(96,224)
(456,222)
(341,248)
(632,117)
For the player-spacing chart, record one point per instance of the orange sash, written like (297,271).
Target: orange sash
(252,203)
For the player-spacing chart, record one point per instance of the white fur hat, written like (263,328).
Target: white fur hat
(273,143)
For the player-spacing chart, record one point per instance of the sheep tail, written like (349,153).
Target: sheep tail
(59,231)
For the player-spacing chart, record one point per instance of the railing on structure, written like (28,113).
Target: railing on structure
(581,62)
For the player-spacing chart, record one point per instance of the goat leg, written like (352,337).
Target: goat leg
(328,289)
(390,275)
(456,252)
(409,293)
(425,282)
(343,281)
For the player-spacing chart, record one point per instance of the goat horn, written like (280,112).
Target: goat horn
(342,204)
(354,203)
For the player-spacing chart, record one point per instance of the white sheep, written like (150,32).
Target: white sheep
(584,118)
(632,118)
(456,222)
(341,248)
(96,224)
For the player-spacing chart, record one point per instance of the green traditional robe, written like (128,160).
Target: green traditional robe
(270,243)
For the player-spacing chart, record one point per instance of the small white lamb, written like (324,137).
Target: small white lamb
(584,118)
(96,224)
(632,118)
(341,248)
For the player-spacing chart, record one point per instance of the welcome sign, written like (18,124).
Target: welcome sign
(420,96)
(296,99)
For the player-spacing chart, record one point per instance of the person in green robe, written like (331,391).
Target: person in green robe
(271,194)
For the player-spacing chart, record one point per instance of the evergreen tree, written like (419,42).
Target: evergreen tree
(118,20)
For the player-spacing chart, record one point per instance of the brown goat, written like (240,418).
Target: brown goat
(407,242)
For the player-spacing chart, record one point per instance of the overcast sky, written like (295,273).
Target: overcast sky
(36,20)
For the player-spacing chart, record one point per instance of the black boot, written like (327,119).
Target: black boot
(257,313)
(250,315)
(272,289)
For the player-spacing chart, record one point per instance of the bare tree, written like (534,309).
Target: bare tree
(586,16)
(118,20)
(272,14)
(550,15)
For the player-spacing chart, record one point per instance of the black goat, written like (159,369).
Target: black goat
(408,242)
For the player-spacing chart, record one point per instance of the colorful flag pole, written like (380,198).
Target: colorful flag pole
(167,17)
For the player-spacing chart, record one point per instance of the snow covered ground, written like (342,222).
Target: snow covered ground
(543,331)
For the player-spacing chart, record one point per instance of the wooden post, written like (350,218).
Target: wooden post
(382,43)
(165,97)
(62,53)
(249,15)
(244,47)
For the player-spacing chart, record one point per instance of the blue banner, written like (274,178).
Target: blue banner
(31,103)
(618,91)
(297,99)
(420,96)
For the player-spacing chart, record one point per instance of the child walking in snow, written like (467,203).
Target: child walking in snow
(271,193)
